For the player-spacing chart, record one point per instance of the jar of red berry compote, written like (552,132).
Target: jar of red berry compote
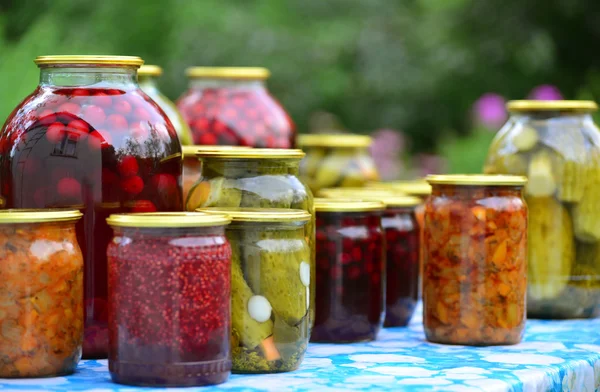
(232,106)
(169,279)
(350,268)
(88,135)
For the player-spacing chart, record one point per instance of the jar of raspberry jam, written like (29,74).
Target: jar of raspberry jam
(350,270)
(147,79)
(232,106)
(270,288)
(41,293)
(169,299)
(475,281)
(88,135)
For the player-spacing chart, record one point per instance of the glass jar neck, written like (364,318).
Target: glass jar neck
(230,84)
(235,168)
(89,76)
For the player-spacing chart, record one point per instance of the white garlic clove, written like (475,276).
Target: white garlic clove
(259,308)
(305,273)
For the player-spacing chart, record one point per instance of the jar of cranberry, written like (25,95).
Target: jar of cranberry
(88,135)
(270,288)
(169,278)
(232,106)
(147,78)
(350,270)
(475,247)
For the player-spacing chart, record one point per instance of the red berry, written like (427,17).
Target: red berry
(143,206)
(79,92)
(128,166)
(122,106)
(99,139)
(208,139)
(116,121)
(230,113)
(164,182)
(140,130)
(94,115)
(141,114)
(102,99)
(69,107)
(69,187)
(132,185)
(47,116)
(201,124)
(198,109)
(54,132)
(79,125)
(252,114)
(219,126)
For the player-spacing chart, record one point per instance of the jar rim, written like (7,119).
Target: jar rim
(476,179)
(167,219)
(419,188)
(255,153)
(23,215)
(78,60)
(192,149)
(347,205)
(248,73)
(388,197)
(150,70)
(561,105)
(238,214)
(334,140)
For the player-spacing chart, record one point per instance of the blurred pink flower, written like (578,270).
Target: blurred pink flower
(489,110)
(429,164)
(545,92)
(386,149)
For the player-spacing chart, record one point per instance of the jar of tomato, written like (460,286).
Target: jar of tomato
(41,293)
(340,160)
(232,106)
(350,276)
(147,79)
(169,299)
(88,135)
(557,145)
(270,288)
(475,248)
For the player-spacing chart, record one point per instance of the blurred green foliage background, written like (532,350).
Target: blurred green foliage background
(416,66)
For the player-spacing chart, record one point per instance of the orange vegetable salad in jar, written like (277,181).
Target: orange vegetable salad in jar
(475,260)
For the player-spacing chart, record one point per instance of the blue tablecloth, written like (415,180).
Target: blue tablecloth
(554,356)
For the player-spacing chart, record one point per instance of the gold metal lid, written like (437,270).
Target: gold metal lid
(347,205)
(150,70)
(249,73)
(255,153)
(259,214)
(133,61)
(388,197)
(192,149)
(39,215)
(413,188)
(334,140)
(565,106)
(167,219)
(476,179)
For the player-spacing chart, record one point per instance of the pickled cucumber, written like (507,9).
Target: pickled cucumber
(286,337)
(526,139)
(586,213)
(551,247)
(266,191)
(507,164)
(333,168)
(541,181)
(216,192)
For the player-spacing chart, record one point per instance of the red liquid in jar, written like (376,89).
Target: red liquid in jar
(237,116)
(110,150)
(402,278)
(350,277)
(169,307)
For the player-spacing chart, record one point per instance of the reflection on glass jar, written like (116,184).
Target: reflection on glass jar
(169,313)
(350,276)
(474,283)
(88,135)
(270,288)
(557,145)
(232,106)
(41,293)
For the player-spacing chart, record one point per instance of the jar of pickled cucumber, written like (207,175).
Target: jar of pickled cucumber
(337,160)
(350,270)
(147,79)
(475,254)
(270,288)
(232,106)
(41,293)
(557,146)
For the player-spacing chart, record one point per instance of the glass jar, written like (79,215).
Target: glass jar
(557,145)
(147,75)
(270,288)
(169,299)
(41,293)
(475,247)
(339,160)
(89,135)
(350,270)
(232,106)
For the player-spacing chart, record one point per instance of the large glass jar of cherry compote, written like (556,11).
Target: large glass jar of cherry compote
(169,299)
(88,135)
(147,78)
(350,277)
(232,106)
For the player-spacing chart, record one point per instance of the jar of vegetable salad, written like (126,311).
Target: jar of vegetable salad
(475,254)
